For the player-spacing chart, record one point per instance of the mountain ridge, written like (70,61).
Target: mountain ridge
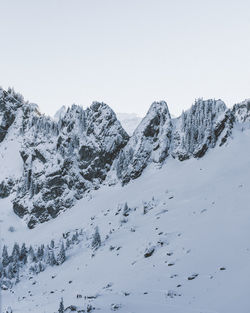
(61,159)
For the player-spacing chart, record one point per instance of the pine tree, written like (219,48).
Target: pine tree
(10,273)
(5,256)
(46,254)
(52,244)
(40,253)
(1,270)
(15,265)
(75,237)
(96,241)
(15,253)
(31,255)
(17,276)
(41,267)
(61,307)
(61,255)
(23,254)
(52,259)
(4,273)
(68,243)
(126,209)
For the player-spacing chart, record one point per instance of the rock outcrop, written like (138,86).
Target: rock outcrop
(61,159)
(206,124)
(203,126)
(150,142)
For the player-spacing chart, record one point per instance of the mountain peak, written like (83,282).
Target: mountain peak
(96,106)
(160,106)
(62,159)
(149,143)
(242,111)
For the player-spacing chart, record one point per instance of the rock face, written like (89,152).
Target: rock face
(205,125)
(241,112)
(58,160)
(6,188)
(9,103)
(61,159)
(150,142)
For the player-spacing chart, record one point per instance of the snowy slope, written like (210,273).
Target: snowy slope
(194,214)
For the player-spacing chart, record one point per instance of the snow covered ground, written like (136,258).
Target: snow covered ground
(193,215)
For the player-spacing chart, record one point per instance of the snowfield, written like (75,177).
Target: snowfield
(183,245)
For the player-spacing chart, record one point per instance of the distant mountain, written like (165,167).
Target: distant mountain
(129,121)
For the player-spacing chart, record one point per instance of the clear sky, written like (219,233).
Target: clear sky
(126,53)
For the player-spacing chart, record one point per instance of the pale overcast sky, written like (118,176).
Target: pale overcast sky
(126,53)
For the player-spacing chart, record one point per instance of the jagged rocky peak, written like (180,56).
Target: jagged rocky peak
(64,159)
(10,101)
(242,111)
(61,158)
(205,124)
(149,143)
(13,107)
(102,121)
(200,128)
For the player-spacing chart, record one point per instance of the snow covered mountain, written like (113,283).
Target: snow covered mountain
(59,160)
(155,222)
(205,125)
(180,245)
(150,142)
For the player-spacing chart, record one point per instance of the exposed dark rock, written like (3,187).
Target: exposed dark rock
(150,143)
(149,252)
(193,276)
(241,112)
(39,156)
(6,188)
(158,136)
(81,147)
(24,156)
(19,209)
(32,222)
